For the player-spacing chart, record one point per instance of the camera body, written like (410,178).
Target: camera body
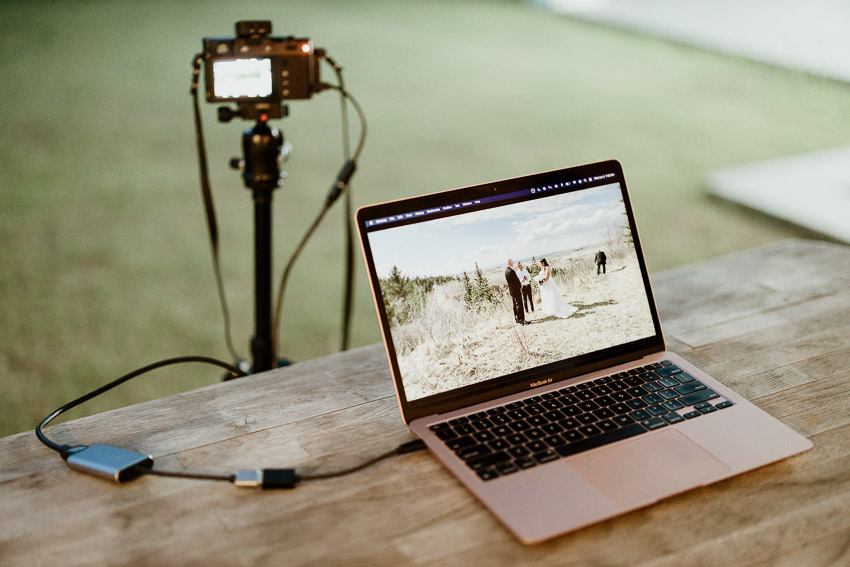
(259,72)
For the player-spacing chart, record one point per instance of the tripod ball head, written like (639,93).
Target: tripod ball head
(261,147)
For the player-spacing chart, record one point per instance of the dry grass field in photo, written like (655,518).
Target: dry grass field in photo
(445,343)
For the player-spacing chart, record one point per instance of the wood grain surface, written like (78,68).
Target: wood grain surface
(773,323)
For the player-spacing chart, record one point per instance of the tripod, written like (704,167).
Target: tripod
(263,150)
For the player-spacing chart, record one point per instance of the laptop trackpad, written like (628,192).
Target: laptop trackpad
(648,468)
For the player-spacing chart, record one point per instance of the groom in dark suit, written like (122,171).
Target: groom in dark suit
(515,287)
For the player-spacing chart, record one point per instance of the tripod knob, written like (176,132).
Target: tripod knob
(226,114)
(285,151)
(236,163)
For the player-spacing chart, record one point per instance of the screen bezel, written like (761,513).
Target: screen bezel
(529,378)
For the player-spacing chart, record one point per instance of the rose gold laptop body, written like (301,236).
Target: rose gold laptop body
(569,493)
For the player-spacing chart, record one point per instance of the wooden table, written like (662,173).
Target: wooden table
(773,323)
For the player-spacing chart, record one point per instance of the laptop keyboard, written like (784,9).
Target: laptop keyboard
(539,429)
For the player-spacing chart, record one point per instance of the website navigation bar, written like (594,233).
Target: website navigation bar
(485,200)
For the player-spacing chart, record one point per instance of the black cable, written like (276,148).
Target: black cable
(64,449)
(336,190)
(403,449)
(285,277)
(348,293)
(261,477)
(195,475)
(354,469)
(266,478)
(361,116)
(346,142)
(209,208)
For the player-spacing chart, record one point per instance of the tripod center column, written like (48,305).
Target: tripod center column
(261,146)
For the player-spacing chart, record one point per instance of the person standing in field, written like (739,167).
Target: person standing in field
(552,303)
(515,289)
(600,260)
(525,281)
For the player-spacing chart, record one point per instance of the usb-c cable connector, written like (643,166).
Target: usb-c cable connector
(265,478)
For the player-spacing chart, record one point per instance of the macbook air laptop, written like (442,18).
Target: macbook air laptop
(527,353)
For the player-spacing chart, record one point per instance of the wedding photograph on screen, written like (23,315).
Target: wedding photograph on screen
(491,292)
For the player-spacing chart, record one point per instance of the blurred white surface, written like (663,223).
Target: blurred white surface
(810,36)
(810,190)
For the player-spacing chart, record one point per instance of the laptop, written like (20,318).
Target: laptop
(547,389)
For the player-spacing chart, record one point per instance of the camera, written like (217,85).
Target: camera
(258,72)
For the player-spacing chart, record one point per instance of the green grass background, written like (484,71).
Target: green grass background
(105,262)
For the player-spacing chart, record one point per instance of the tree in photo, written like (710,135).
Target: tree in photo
(398,285)
(534,271)
(468,293)
(396,289)
(482,289)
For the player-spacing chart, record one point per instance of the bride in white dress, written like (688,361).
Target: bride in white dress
(552,302)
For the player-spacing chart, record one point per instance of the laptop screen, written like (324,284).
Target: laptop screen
(533,276)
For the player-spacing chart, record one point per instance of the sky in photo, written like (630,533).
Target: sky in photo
(452,245)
